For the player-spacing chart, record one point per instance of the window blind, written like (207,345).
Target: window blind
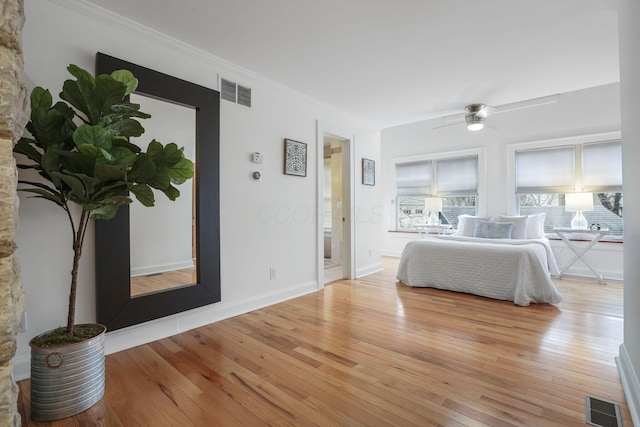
(457,176)
(414,179)
(548,170)
(602,167)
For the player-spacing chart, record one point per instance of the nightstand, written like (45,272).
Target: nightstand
(596,235)
(425,230)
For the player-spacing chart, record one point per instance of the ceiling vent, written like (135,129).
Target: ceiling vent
(233,92)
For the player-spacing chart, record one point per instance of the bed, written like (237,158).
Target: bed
(517,270)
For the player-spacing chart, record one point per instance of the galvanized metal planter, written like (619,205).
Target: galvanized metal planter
(68,379)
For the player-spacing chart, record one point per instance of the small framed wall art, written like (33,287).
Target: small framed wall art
(368,172)
(295,158)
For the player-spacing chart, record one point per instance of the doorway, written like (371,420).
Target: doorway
(333,208)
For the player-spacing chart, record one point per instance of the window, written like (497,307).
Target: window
(544,176)
(455,180)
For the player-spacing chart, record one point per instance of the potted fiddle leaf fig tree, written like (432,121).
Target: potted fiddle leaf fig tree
(88,167)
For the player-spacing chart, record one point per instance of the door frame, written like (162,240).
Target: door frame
(322,130)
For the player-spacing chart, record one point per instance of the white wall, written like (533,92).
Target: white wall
(629,359)
(271,223)
(594,111)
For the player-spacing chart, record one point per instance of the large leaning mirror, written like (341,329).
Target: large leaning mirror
(154,262)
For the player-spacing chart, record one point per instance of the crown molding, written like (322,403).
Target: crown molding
(114,20)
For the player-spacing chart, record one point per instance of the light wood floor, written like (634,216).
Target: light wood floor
(376,353)
(152,283)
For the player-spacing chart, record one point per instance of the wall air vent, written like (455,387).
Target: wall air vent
(244,96)
(233,92)
(228,90)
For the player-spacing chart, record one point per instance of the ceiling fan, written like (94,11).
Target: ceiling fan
(475,114)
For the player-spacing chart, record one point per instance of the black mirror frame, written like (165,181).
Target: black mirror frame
(115,308)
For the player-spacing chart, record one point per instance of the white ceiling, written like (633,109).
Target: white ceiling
(391,62)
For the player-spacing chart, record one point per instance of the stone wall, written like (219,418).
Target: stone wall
(13,116)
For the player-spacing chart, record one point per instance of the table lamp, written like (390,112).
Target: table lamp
(578,202)
(434,206)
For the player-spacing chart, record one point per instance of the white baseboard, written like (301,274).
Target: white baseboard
(374,268)
(154,330)
(392,254)
(21,368)
(630,384)
(585,272)
(162,268)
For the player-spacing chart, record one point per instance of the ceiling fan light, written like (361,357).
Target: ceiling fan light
(474,122)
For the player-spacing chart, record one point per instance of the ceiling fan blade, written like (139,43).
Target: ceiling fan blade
(495,125)
(529,103)
(453,123)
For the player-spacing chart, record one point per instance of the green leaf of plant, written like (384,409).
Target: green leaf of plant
(92,135)
(154,150)
(80,73)
(161,180)
(129,109)
(78,192)
(172,154)
(123,158)
(26,146)
(122,142)
(81,94)
(104,212)
(50,162)
(144,194)
(41,98)
(90,183)
(125,127)
(108,93)
(181,171)
(144,169)
(126,77)
(89,150)
(112,190)
(44,195)
(108,173)
(77,161)
(171,192)
(51,126)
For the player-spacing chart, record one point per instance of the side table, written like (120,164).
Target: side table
(425,230)
(563,233)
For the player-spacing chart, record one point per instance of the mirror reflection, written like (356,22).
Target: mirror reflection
(162,239)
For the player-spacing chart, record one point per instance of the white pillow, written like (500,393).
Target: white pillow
(519,225)
(535,226)
(467,224)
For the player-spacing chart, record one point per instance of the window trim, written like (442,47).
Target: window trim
(513,204)
(482,176)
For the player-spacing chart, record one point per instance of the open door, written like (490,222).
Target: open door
(335,195)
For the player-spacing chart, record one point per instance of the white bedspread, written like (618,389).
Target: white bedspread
(506,269)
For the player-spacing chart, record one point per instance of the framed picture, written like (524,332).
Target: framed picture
(295,158)
(368,172)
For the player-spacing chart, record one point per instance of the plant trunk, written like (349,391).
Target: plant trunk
(78,241)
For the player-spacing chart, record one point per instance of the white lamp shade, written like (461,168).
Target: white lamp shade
(574,202)
(433,204)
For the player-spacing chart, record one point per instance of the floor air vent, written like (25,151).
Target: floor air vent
(602,413)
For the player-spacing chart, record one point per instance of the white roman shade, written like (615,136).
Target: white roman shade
(414,179)
(457,176)
(548,170)
(602,167)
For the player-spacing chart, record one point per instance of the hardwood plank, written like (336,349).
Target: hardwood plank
(375,352)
